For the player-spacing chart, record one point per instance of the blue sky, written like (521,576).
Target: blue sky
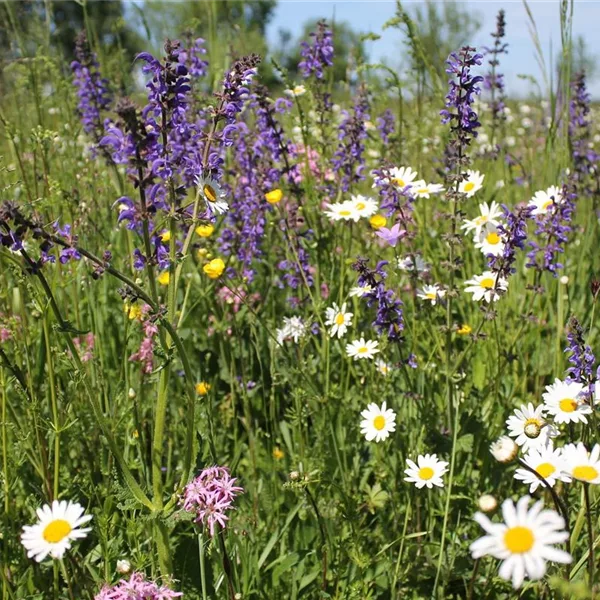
(369,16)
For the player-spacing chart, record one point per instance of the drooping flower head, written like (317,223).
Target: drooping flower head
(210,496)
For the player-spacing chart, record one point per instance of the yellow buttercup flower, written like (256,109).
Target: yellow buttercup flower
(278,453)
(464,329)
(164,278)
(134,311)
(274,196)
(166,236)
(377,221)
(214,268)
(202,388)
(205,230)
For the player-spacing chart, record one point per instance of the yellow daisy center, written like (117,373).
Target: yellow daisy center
(519,540)
(532,428)
(362,350)
(425,473)
(469,186)
(585,473)
(568,405)
(379,422)
(481,219)
(547,204)
(339,320)
(545,469)
(361,206)
(209,192)
(56,530)
(431,295)
(492,238)
(487,283)
(399,182)
(345,213)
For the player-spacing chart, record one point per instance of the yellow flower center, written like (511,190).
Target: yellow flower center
(362,350)
(423,190)
(545,469)
(399,182)
(425,473)
(547,204)
(585,473)
(379,422)
(492,238)
(56,531)
(345,213)
(532,428)
(361,206)
(431,295)
(519,540)
(209,192)
(339,320)
(481,219)
(469,186)
(487,283)
(568,405)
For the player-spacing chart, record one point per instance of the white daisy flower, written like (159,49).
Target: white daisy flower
(504,449)
(383,367)
(489,213)
(472,184)
(296,91)
(377,423)
(413,263)
(58,525)
(432,293)
(359,291)
(427,472)
(293,328)
(529,427)
(213,194)
(546,461)
(489,241)
(338,319)
(485,287)
(524,541)
(362,349)
(342,211)
(581,464)
(364,207)
(399,176)
(563,400)
(543,200)
(421,189)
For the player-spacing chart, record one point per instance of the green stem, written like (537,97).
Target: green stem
(588,514)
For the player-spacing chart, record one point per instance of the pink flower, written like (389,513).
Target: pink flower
(210,496)
(5,334)
(391,236)
(137,588)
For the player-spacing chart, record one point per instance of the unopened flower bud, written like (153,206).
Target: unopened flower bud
(294,476)
(487,503)
(131,393)
(504,449)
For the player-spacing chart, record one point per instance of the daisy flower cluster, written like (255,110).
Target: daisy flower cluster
(352,210)
(210,496)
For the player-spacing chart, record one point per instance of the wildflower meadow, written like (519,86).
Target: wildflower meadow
(284,325)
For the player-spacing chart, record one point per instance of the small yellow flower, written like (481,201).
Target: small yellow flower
(377,221)
(205,230)
(464,329)
(134,311)
(166,236)
(214,268)
(278,453)
(164,278)
(203,388)
(274,196)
